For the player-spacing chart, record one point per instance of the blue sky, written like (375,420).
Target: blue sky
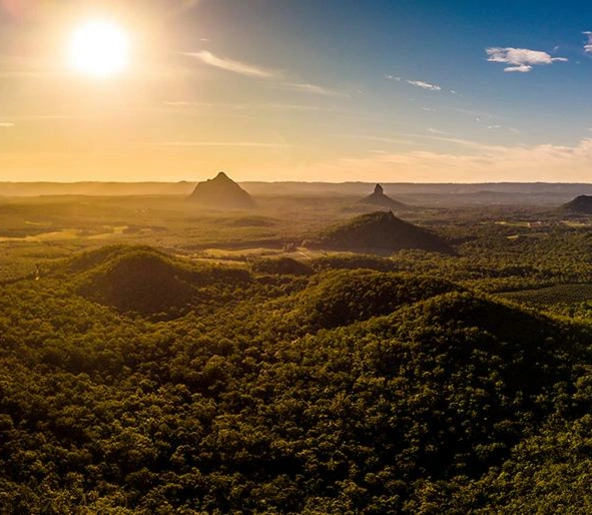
(336,90)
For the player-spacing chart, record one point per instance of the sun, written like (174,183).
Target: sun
(99,49)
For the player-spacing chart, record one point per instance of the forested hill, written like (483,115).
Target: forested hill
(378,232)
(284,387)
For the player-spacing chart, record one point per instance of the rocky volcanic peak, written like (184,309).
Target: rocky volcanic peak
(378,198)
(222,192)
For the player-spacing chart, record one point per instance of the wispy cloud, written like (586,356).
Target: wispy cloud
(588,45)
(417,83)
(34,117)
(187,5)
(291,107)
(230,65)
(315,89)
(253,144)
(431,130)
(548,163)
(279,78)
(482,115)
(6,125)
(521,60)
(377,139)
(253,107)
(424,85)
(434,135)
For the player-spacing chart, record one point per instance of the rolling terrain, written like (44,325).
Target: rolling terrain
(162,357)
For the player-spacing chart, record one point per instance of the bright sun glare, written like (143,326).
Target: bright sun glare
(99,49)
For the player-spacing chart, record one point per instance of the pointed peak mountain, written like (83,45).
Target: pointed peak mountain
(221,177)
(378,198)
(222,192)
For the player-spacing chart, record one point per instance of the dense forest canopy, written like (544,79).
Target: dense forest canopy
(247,268)
(194,377)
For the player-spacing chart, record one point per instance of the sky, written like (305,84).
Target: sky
(301,90)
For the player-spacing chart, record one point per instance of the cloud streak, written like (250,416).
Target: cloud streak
(418,84)
(230,65)
(588,45)
(251,144)
(520,60)
(315,89)
(251,70)
(478,163)
(424,85)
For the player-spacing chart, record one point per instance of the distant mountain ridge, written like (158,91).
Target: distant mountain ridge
(551,194)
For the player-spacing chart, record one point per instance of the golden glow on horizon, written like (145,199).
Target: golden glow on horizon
(99,49)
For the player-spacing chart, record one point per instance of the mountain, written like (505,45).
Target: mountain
(139,280)
(221,193)
(148,282)
(378,232)
(342,297)
(581,204)
(378,198)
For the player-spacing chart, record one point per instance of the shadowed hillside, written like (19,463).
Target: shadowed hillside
(581,204)
(378,232)
(148,282)
(341,298)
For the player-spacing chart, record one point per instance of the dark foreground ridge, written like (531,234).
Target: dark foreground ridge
(378,232)
(340,391)
(222,193)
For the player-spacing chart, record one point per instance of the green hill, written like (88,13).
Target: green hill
(581,204)
(378,232)
(145,281)
(345,391)
(343,297)
(141,281)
